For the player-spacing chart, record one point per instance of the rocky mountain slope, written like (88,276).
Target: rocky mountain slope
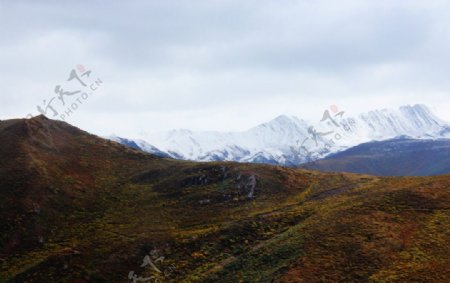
(78,208)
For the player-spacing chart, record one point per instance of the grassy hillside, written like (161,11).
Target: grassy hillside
(77,208)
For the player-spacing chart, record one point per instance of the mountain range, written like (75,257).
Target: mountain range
(290,141)
(78,208)
(395,157)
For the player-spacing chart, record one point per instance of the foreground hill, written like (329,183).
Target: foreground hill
(77,208)
(397,157)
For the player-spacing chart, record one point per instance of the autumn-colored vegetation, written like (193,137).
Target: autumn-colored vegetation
(77,208)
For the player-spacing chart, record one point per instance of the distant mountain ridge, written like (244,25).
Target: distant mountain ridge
(139,144)
(396,157)
(290,141)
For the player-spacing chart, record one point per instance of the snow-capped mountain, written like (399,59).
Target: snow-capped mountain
(139,144)
(288,140)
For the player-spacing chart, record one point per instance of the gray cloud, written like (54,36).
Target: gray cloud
(173,61)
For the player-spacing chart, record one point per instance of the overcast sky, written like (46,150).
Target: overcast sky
(222,65)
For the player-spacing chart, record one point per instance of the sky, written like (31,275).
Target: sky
(219,65)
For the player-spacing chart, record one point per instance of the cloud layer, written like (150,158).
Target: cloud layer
(224,65)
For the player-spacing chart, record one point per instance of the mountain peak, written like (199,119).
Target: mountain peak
(280,138)
(415,107)
(39,117)
(421,115)
(283,118)
(282,121)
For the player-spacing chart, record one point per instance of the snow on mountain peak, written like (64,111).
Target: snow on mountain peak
(288,140)
(416,121)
